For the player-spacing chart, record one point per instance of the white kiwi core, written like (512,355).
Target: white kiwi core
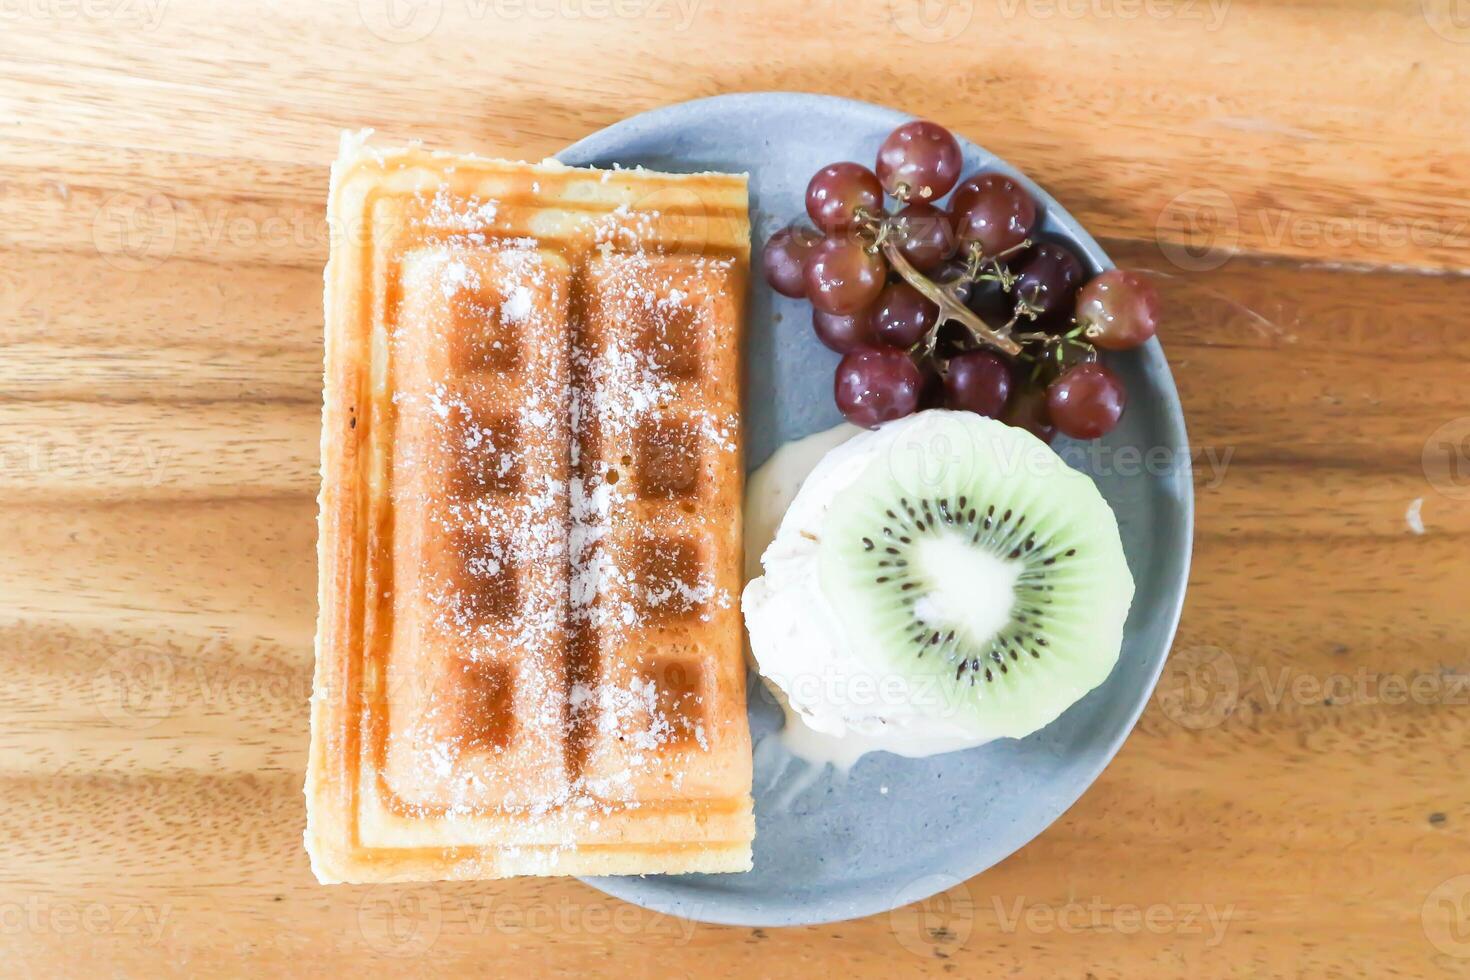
(967,588)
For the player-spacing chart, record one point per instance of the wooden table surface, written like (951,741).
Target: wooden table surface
(1296,799)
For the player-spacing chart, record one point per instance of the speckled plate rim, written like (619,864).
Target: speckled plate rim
(657,892)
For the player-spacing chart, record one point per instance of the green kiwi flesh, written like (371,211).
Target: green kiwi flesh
(917,554)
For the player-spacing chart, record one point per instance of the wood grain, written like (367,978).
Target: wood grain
(1296,800)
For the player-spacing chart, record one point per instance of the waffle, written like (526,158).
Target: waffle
(529,649)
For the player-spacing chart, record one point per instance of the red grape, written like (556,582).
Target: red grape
(876,385)
(1086,401)
(837,191)
(993,211)
(843,333)
(1118,310)
(1048,278)
(978,381)
(926,238)
(842,276)
(919,161)
(785,258)
(902,316)
(1027,410)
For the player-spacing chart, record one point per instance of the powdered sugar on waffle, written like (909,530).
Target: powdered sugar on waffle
(456,214)
(621,387)
(627,389)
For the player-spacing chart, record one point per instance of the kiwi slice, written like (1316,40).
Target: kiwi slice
(969,560)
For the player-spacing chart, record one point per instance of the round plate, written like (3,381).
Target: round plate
(898,830)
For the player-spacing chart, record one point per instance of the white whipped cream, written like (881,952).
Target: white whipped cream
(840,704)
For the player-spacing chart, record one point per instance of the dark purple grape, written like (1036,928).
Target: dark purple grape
(877,385)
(1047,280)
(843,333)
(1118,310)
(919,161)
(1086,401)
(842,276)
(952,339)
(784,259)
(931,394)
(1027,410)
(990,302)
(950,275)
(993,211)
(926,238)
(837,191)
(901,316)
(978,381)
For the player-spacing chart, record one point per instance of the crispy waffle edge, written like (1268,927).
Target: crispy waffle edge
(332,772)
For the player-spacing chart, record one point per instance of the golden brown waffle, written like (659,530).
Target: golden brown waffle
(529,651)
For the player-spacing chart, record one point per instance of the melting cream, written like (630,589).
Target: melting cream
(802,658)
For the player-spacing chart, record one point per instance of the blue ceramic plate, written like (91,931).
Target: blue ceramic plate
(897,830)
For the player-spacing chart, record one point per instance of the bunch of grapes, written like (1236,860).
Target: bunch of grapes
(961,306)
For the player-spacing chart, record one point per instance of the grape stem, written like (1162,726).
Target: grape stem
(1054,346)
(949,308)
(976,263)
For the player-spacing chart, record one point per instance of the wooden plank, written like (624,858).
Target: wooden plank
(1296,796)
(1156,121)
